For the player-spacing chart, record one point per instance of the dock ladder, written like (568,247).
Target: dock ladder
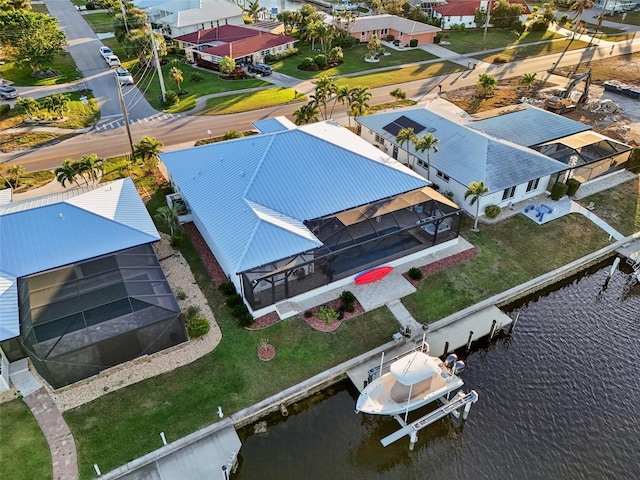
(461,400)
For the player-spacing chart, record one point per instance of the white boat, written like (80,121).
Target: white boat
(413,381)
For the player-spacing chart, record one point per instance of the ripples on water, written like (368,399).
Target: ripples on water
(558,400)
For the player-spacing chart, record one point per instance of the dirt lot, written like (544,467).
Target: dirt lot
(622,124)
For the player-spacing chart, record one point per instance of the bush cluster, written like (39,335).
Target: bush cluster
(413,42)
(492,211)
(171,97)
(415,273)
(196,77)
(227,288)
(4,110)
(558,191)
(198,327)
(234,301)
(270,59)
(347,301)
(572,186)
(328,315)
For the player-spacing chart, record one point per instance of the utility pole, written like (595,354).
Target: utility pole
(124,19)
(124,114)
(157,61)
(486,23)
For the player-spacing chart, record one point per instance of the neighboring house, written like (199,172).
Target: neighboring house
(517,152)
(81,289)
(243,44)
(401,29)
(180,17)
(462,12)
(294,209)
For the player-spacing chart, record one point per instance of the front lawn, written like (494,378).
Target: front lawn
(630,18)
(12,142)
(210,84)
(353,61)
(101,22)
(63,66)
(182,401)
(401,75)
(537,50)
(509,253)
(245,102)
(471,40)
(25,453)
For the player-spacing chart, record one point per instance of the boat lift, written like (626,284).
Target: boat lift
(459,401)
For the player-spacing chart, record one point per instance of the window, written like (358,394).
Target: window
(384,31)
(533,185)
(441,175)
(379,139)
(509,193)
(363,35)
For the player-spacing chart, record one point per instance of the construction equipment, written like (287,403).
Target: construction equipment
(561,102)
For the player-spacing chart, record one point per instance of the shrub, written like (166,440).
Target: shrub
(198,327)
(347,300)
(414,273)
(280,56)
(4,110)
(320,60)
(196,77)
(306,63)
(308,314)
(539,25)
(91,6)
(242,314)
(180,294)
(633,164)
(558,191)
(448,194)
(390,38)
(413,42)
(492,211)
(499,59)
(227,288)
(171,97)
(396,43)
(437,39)
(328,315)
(572,186)
(191,312)
(345,41)
(233,300)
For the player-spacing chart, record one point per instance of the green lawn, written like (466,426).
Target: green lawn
(509,254)
(631,18)
(25,453)
(471,40)
(21,75)
(400,75)
(537,50)
(210,84)
(101,22)
(353,61)
(245,102)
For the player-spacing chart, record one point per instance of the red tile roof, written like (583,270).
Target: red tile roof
(465,8)
(223,33)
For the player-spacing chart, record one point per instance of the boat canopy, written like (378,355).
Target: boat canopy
(414,368)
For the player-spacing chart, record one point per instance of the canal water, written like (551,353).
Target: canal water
(559,399)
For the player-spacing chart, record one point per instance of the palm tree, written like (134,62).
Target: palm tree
(67,172)
(341,95)
(254,10)
(325,89)
(398,94)
(475,191)
(359,102)
(486,83)
(308,113)
(527,79)
(335,54)
(175,74)
(406,136)
(147,151)
(427,143)
(90,167)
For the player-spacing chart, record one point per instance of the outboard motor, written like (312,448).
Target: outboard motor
(451,360)
(458,367)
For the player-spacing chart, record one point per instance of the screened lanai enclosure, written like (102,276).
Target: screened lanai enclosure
(355,240)
(80,319)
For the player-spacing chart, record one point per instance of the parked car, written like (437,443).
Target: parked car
(7,93)
(112,61)
(260,68)
(105,52)
(124,77)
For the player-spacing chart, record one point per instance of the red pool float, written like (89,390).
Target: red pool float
(372,275)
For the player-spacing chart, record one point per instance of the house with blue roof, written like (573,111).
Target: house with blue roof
(81,289)
(518,152)
(296,209)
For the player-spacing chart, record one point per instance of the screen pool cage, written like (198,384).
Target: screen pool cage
(80,319)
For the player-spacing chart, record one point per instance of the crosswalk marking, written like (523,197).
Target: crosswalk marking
(113,124)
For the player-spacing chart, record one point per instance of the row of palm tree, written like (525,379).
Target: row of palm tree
(328,93)
(424,143)
(89,169)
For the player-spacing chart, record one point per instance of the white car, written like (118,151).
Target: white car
(105,52)
(124,77)
(112,61)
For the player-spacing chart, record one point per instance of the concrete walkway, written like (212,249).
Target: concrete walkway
(57,433)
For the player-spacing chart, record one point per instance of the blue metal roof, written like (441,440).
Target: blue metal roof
(252,194)
(467,155)
(272,125)
(529,126)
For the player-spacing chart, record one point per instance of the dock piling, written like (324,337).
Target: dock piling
(513,324)
(413,439)
(492,331)
(470,340)
(446,348)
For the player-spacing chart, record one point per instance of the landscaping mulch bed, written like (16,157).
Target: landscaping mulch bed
(264,321)
(442,264)
(317,323)
(266,352)
(213,267)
